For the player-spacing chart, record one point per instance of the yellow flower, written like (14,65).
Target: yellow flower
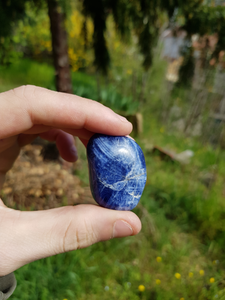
(141,288)
(182,298)
(177,275)
(158,259)
(212,280)
(129,71)
(201,272)
(191,274)
(158,281)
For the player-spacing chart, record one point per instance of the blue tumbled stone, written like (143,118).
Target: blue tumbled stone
(117,171)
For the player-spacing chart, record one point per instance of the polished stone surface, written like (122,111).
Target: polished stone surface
(117,171)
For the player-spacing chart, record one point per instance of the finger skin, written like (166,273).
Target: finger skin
(28,236)
(8,154)
(64,143)
(27,106)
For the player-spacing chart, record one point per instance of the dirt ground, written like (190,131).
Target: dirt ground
(35,184)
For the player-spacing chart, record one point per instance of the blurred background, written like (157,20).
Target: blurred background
(160,64)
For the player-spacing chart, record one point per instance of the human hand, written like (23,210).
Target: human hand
(26,112)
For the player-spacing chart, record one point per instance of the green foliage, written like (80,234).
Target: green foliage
(25,71)
(97,11)
(9,53)
(142,18)
(10,11)
(107,96)
(12,41)
(139,17)
(204,19)
(186,71)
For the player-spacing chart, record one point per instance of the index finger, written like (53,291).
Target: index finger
(26,106)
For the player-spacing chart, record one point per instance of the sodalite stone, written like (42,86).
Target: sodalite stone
(117,171)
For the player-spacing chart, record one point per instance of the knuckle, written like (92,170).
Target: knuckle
(86,235)
(26,94)
(2,205)
(79,233)
(23,91)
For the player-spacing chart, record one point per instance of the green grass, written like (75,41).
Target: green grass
(183,220)
(24,72)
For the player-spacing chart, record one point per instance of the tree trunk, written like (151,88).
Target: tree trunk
(59,47)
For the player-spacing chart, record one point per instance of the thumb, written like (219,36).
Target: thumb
(28,236)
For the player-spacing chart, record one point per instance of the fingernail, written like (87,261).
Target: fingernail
(123,119)
(73,151)
(130,137)
(121,229)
